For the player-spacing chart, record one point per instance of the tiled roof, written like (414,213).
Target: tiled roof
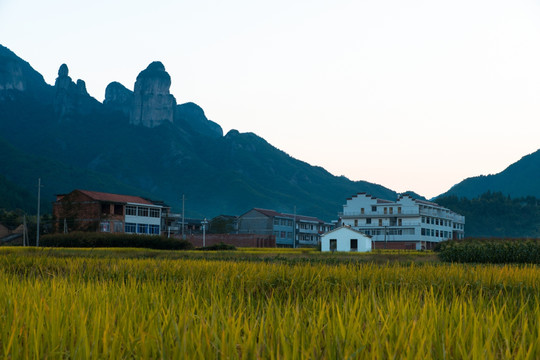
(426,202)
(116,198)
(269,213)
(272,213)
(348,228)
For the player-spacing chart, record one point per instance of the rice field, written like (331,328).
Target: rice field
(114,304)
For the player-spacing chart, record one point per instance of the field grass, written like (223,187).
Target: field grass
(132,303)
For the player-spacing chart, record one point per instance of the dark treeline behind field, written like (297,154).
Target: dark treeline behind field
(494,214)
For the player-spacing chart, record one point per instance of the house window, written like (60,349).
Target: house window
(142,228)
(399,222)
(130,228)
(355,222)
(276,221)
(142,211)
(385,210)
(374,209)
(391,210)
(368,221)
(354,244)
(105,226)
(380,222)
(118,226)
(131,210)
(399,210)
(106,208)
(362,211)
(283,234)
(154,229)
(118,209)
(423,219)
(154,212)
(333,244)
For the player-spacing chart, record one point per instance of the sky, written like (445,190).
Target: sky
(413,95)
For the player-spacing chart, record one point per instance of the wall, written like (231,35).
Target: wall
(253,222)
(80,212)
(343,237)
(238,240)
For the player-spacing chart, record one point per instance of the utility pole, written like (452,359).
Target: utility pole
(294,228)
(183,210)
(38,208)
(65,226)
(25,232)
(204,222)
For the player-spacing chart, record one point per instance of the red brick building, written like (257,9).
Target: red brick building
(83,210)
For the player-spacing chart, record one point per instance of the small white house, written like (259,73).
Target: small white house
(345,239)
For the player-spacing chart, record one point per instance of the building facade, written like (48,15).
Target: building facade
(83,210)
(345,239)
(406,223)
(289,230)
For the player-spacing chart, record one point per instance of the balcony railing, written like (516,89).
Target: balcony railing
(424,212)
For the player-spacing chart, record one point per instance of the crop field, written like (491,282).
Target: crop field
(129,303)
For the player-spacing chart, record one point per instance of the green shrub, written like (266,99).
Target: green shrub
(218,247)
(496,251)
(106,240)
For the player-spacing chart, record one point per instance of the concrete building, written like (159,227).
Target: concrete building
(83,210)
(406,223)
(305,230)
(345,239)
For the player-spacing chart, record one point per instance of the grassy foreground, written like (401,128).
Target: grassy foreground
(97,304)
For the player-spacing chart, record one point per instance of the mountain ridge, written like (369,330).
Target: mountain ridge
(519,179)
(189,155)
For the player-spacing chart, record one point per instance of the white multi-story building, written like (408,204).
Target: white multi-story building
(406,223)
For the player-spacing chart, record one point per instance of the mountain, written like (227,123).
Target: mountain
(12,196)
(142,142)
(520,179)
(493,214)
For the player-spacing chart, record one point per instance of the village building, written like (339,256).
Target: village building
(290,230)
(347,239)
(83,210)
(406,223)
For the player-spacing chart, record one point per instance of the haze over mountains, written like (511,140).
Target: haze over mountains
(142,142)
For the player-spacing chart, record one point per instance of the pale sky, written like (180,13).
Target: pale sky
(412,95)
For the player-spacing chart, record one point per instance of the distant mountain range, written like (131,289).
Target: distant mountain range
(142,142)
(520,179)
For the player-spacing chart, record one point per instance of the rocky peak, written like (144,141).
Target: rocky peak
(17,76)
(63,71)
(81,88)
(118,97)
(71,98)
(153,104)
(193,115)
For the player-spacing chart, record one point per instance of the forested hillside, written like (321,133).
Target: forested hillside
(496,215)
